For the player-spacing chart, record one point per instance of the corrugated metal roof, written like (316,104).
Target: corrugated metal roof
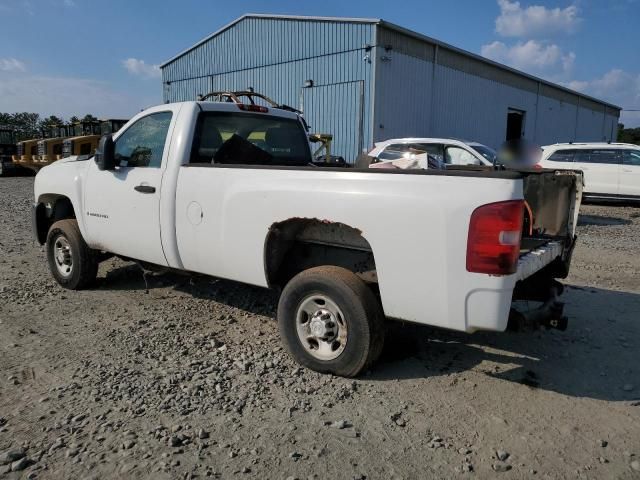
(391,26)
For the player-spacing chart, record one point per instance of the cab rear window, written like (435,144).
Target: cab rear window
(249,139)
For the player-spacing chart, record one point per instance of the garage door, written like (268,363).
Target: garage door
(336,109)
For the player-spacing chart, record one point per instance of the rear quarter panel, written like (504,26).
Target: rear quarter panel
(416,225)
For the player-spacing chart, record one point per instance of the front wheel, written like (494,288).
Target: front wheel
(71,262)
(330,321)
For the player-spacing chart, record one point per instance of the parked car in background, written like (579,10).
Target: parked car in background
(447,151)
(611,170)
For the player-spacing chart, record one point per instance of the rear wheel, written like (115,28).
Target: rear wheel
(71,262)
(330,321)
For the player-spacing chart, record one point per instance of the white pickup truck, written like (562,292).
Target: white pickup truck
(228,190)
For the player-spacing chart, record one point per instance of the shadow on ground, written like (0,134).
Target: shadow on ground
(129,276)
(594,358)
(601,220)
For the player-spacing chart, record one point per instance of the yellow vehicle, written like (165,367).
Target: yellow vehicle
(83,139)
(322,155)
(50,149)
(111,126)
(86,136)
(27,151)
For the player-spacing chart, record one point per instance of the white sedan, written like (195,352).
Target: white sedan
(446,151)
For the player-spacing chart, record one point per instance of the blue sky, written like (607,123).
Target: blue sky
(70,57)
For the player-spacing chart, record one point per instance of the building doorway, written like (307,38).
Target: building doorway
(515,124)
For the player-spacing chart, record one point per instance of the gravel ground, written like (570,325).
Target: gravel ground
(187,379)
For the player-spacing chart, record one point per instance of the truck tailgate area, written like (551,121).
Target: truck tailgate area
(535,258)
(553,201)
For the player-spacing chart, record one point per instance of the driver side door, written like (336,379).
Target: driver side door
(122,206)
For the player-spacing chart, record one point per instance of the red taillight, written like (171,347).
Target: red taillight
(493,245)
(253,108)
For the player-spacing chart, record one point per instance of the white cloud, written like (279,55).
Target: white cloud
(618,87)
(12,65)
(69,3)
(140,68)
(67,96)
(533,57)
(535,20)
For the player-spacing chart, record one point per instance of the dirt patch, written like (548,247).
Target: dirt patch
(185,377)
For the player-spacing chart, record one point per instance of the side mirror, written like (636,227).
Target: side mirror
(106,153)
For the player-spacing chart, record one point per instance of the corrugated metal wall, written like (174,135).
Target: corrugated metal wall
(276,57)
(462,97)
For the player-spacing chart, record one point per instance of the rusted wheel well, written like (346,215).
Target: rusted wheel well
(50,209)
(297,244)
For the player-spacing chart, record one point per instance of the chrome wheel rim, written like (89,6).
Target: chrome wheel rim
(62,256)
(321,327)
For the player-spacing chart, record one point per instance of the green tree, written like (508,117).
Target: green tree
(628,135)
(25,124)
(89,118)
(51,121)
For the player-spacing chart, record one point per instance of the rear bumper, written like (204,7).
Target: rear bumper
(489,309)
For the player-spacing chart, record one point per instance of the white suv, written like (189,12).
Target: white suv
(611,170)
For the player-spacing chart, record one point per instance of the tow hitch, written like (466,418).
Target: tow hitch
(548,315)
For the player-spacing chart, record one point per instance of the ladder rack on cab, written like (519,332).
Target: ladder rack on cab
(250,95)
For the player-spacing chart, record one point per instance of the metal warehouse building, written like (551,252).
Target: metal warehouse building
(366,80)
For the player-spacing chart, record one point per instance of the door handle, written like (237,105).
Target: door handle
(145,189)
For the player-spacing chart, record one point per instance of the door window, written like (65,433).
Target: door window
(562,156)
(142,144)
(631,157)
(603,156)
(459,156)
(410,150)
(429,155)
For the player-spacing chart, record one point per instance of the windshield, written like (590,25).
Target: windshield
(488,153)
(250,139)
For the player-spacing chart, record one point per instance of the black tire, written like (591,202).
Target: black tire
(84,261)
(362,314)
